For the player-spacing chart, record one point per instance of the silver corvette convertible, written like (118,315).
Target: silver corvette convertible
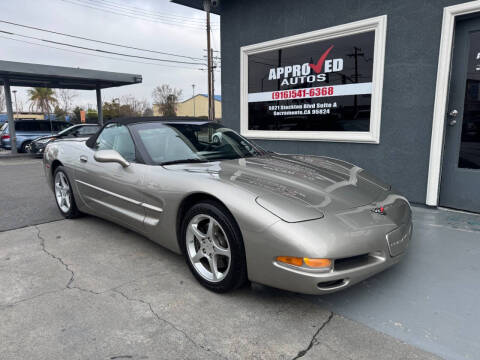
(308,224)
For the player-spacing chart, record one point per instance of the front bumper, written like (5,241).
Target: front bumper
(360,243)
(323,283)
(36,149)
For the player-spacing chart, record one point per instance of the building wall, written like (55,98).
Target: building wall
(412,46)
(185,108)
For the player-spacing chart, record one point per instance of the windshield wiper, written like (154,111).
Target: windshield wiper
(184,161)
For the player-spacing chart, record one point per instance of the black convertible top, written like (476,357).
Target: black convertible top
(134,120)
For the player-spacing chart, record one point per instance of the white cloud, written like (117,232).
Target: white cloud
(73,19)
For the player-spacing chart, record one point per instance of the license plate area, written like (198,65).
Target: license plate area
(398,239)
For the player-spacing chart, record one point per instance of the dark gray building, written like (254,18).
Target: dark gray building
(392,86)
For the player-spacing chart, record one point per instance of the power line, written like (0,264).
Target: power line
(97,55)
(148,12)
(98,41)
(106,5)
(100,7)
(101,50)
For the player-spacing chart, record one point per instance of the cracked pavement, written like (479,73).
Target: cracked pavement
(88,289)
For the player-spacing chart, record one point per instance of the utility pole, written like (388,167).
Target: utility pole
(207,7)
(357,52)
(193,97)
(213,85)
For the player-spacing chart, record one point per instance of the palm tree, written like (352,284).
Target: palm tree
(42,99)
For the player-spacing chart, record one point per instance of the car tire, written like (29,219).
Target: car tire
(63,192)
(203,248)
(23,148)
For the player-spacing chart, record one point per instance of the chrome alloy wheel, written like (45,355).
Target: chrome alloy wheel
(208,248)
(63,193)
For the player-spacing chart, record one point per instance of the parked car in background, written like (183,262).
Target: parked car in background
(28,130)
(37,146)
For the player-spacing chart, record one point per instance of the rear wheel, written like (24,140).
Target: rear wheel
(213,247)
(64,195)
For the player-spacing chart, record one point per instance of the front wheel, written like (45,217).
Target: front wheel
(64,195)
(24,147)
(213,247)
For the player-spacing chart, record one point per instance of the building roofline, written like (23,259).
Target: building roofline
(197,4)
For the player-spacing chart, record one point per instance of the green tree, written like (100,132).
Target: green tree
(42,99)
(59,113)
(92,116)
(76,115)
(166,98)
(111,110)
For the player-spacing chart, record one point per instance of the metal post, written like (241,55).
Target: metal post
(193,97)
(99,106)
(213,85)
(206,7)
(16,105)
(11,121)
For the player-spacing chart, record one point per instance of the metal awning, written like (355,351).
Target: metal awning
(37,75)
(58,77)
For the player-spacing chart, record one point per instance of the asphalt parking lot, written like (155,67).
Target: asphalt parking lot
(89,289)
(25,198)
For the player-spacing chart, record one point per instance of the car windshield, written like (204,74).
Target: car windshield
(173,143)
(68,130)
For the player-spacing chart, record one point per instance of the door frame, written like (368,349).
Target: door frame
(441,95)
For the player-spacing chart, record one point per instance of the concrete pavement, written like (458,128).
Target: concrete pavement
(88,289)
(25,198)
(430,299)
(95,290)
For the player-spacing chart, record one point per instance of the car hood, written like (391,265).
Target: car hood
(298,187)
(53,137)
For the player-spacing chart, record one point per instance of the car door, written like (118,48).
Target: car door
(461,158)
(109,189)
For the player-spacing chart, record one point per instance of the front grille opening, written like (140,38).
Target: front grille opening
(330,284)
(351,262)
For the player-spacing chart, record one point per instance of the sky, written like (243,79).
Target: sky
(149,24)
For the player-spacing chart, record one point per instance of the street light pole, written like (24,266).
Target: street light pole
(193,97)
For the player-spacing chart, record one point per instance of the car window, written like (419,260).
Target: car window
(59,126)
(87,130)
(164,144)
(116,137)
(190,142)
(27,126)
(45,126)
(68,131)
(4,127)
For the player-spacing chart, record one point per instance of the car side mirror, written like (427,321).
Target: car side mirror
(108,156)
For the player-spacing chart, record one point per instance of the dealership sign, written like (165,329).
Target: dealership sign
(323,85)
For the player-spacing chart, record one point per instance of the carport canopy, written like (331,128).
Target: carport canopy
(59,77)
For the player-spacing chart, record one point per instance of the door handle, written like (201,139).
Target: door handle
(83,158)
